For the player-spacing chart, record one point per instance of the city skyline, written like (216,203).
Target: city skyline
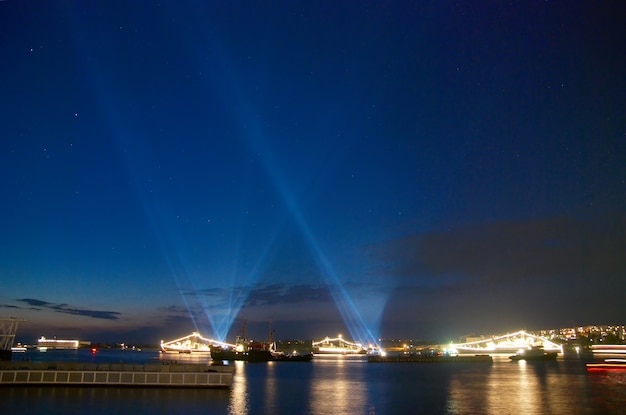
(405,169)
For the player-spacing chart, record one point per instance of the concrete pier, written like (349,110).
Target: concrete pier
(115,374)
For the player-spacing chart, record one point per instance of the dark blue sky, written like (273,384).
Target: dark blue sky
(422,169)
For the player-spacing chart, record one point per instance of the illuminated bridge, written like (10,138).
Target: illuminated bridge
(508,343)
(193,343)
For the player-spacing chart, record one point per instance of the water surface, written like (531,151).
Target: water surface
(340,385)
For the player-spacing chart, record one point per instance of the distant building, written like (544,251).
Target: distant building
(45,344)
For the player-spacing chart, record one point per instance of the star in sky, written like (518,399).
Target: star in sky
(389,170)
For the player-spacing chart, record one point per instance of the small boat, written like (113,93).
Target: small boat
(536,353)
(19,348)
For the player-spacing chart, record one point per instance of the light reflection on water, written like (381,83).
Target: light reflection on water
(340,391)
(520,387)
(608,391)
(271,388)
(341,385)
(239,402)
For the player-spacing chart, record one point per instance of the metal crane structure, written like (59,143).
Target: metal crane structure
(8,328)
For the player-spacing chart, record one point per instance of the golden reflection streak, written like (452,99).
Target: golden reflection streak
(519,387)
(271,389)
(467,393)
(341,395)
(527,391)
(239,399)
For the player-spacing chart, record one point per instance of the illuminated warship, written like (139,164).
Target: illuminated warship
(193,343)
(338,345)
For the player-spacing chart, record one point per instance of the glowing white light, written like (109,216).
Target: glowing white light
(609,348)
(508,343)
(44,343)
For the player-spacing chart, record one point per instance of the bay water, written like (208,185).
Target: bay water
(338,385)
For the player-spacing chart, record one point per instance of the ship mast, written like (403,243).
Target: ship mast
(270,336)
(242,330)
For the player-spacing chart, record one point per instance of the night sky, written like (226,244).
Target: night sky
(395,169)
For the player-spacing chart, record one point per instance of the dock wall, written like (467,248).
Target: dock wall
(170,375)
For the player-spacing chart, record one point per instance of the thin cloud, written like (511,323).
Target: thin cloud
(537,273)
(557,248)
(65,309)
(266,294)
(288,294)
(33,302)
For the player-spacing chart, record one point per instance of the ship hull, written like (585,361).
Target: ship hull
(248,356)
(544,357)
(280,357)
